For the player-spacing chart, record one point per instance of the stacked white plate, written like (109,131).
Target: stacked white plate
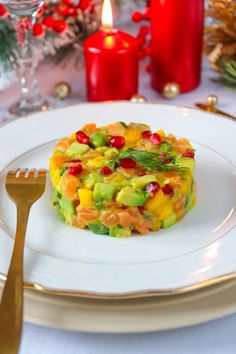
(66,265)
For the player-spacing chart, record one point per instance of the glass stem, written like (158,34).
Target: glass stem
(27,63)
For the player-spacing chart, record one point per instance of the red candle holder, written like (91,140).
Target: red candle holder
(111,58)
(176,44)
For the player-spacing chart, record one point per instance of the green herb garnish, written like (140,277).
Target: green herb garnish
(152,160)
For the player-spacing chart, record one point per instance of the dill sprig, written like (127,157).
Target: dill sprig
(152,160)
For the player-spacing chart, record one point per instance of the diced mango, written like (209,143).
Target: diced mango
(85,197)
(89,128)
(98,162)
(165,212)
(73,136)
(156,224)
(155,204)
(132,136)
(161,133)
(55,175)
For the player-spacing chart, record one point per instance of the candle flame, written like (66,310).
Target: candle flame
(107,18)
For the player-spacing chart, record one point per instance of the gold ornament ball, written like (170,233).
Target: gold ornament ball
(212,100)
(138,99)
(171,90)
(62,90)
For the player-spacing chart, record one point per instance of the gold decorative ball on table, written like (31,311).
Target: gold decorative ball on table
(138,99)
(171,90)
(212,100)
(62,90)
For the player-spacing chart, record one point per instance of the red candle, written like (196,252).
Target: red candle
(177,32)
(111,58)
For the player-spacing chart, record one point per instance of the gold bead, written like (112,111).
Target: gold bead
(62,90)
(138,99)
(171,90)
(212,100)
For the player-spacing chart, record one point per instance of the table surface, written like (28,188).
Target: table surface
(214,337)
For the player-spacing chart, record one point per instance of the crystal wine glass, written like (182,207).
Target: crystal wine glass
(23,14)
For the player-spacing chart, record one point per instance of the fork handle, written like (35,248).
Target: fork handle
(11,308)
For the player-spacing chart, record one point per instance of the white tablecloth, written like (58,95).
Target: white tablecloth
(215,337)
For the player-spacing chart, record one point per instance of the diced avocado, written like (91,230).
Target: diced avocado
(93,178)
(67,206)
(119,232)
(57,194)
(131,197)
(171,220)
(141,182)
(103,192)
(98,228)
(189,203)
(165,147)
(186,162)
(77,149)
(111,152)
(68,217)
(102,149)
(98,140)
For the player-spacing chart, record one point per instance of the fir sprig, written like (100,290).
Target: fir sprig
(152,160)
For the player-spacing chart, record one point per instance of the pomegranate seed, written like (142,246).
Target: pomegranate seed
(153,188)
(82,138)
(142,174)
(189,153)
(106,170)
(117,142)
(128,163)
(155,139)
(146,134)
(168,190)
(141,210)
(74,161)
(75,170)
(163,155)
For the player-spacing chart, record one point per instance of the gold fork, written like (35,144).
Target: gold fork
(24,187)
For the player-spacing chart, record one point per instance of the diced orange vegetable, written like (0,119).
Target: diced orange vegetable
(69,185)
(89,129)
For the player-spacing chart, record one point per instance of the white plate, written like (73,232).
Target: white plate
(61,258)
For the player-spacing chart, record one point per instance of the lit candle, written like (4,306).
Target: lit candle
(111,58)
(177,32)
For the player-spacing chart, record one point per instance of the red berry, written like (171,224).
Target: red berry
(146,134)
(141,210)
(137,16)
(128,163)
(148,68)
(60,26)
(168,190)
(189,153)
(155,139)
(48,21)
(3,11)
(144,30)
(38,30)
(75,170)
(153,187)
(82,138)
(83,4)
(106,171)
(74,161)
(117,142)
(148,51)
(147,14)
(141,54)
